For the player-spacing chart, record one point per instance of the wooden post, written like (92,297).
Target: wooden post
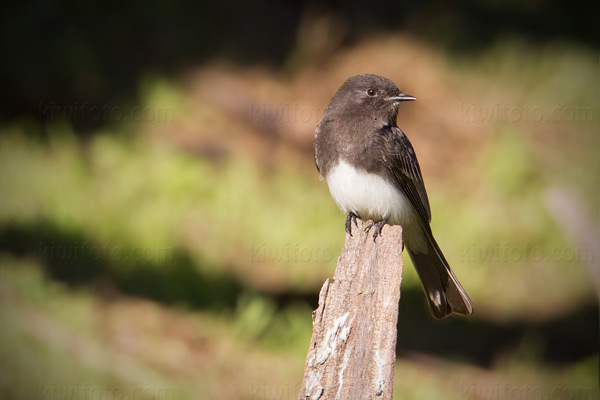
(353,346)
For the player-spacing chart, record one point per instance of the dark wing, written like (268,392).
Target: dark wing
(405,171)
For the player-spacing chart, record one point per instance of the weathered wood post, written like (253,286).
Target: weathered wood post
(353,346)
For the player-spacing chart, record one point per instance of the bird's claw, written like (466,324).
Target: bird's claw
(351,218)
(378,227)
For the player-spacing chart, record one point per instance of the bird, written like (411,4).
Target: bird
(373,174)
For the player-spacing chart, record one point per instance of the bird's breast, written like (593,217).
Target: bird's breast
(368,195)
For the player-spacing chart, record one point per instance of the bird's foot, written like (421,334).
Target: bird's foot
(351,218)
(378,227)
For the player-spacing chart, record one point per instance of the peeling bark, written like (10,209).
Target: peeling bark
(353,346)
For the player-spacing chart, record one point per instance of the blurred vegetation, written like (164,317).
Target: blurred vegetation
(95,51)
(178,253)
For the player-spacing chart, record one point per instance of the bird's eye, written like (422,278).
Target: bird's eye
(372,92)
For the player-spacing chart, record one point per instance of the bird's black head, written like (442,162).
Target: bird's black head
(368,96)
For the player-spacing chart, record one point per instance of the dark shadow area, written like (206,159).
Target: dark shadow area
(74,259)
(178,280)
(474,339)
(62,59)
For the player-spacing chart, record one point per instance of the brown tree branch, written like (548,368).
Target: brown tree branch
(353,346)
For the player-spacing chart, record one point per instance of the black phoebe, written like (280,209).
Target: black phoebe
(373,174)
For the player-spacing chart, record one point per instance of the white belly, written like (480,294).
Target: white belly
(371,197)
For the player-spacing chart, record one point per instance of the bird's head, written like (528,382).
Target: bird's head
(371,96)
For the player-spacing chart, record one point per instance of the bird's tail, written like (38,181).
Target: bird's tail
(444,291)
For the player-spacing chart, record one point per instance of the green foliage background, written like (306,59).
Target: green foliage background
(182,258)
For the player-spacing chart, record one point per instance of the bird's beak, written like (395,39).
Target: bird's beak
(402,97)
